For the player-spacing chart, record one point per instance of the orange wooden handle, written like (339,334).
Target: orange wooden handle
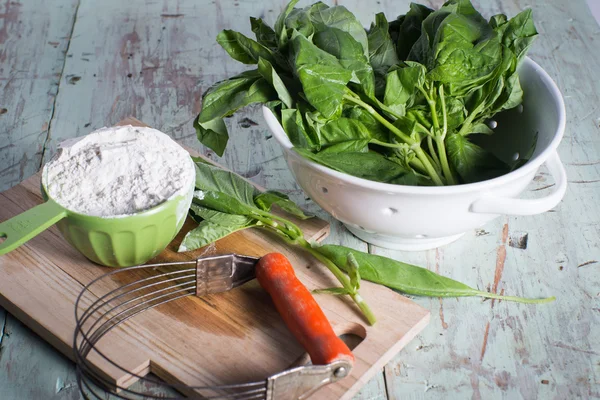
(300,311)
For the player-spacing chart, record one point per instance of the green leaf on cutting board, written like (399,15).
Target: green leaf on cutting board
(266,200)
(210,178)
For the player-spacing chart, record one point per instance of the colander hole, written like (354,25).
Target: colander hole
(516,156)
(2,238)
(421,236)
(520,109)
(493,124)
(324,190)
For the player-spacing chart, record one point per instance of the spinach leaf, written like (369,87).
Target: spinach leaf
(293,124)
(339,17)
(200,213)
(265,68)
(350,55)
(242,48)
(280,29)
(300,21)
(265,202)
(518,33)
(472,162)
(409,29)
(213,225)
(343,130)
(404,277)
(370,165)
(210,178)
(382,52)
(323,78)
(208,232)
(225,98)
(350,146)
(324,87)
(265,35)
(212,134)
(224,203)
(402,85)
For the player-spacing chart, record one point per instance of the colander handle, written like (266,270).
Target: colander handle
(28,224)
(505,205)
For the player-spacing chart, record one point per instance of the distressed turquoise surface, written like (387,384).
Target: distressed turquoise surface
(70,66)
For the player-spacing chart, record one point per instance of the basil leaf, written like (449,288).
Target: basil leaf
(265,202)
(210,178)
(242,48)
(212,134)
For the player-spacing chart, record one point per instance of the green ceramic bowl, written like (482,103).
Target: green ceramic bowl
(120,241)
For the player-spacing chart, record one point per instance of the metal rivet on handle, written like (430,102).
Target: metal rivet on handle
(340,372)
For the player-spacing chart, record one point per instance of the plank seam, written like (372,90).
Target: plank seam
(385,383)
(3,330)
(62,71)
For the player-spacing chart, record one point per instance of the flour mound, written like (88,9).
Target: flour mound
(118,171)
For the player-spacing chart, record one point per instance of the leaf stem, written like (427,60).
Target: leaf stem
(407,139)
(439,141)
(343,278)
(516,299)
(444,161)
(432,151)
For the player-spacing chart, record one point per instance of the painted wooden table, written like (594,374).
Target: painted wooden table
(70,66)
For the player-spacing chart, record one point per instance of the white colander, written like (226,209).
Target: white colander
(420,218)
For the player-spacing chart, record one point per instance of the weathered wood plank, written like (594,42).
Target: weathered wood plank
(33,39)
(471,349)
(506,350)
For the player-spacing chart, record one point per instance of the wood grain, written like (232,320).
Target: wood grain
(34,36)
(240,328)
(530,352)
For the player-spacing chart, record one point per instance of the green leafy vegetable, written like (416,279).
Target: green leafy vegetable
(225,203)
(408,278)
(266,200)
(411,91)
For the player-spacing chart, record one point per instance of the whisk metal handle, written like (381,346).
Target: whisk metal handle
(215,274)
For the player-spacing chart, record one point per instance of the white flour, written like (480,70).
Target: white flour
(118,171)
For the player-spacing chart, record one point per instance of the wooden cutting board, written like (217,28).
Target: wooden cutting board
(226,338)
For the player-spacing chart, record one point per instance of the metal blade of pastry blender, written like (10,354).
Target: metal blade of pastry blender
(215,274)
